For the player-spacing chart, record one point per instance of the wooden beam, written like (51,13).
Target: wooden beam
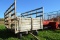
(33,13)
(10,7)
(12,14)
(10,11)
(33,10)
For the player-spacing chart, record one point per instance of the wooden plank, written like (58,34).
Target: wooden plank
(10,11)
(34,10)
(32,13)
(12,19)
(6,21)
(6,17)
(9,7)
(12,22)
(12,14)
(39,15)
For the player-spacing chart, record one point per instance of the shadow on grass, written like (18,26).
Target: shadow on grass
(56,31)
(5,34)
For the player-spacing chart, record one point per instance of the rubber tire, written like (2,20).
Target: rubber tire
(35,33)
(19,35)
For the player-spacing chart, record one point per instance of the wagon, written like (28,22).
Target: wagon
(25,22)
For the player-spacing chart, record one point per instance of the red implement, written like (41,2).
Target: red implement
(54,25)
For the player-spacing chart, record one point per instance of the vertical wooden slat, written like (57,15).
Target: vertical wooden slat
(43,14)
(36,14)
(31,22)
(15,15)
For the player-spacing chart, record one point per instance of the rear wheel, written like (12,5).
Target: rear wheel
(19,35)
(35,32)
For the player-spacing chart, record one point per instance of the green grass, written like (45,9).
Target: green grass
(6,34)
(2,27)
(42,35)
(49,35)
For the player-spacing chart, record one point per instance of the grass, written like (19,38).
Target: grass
(42,35)
(49,35)
(6,34)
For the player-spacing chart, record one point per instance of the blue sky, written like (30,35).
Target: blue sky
(26,5)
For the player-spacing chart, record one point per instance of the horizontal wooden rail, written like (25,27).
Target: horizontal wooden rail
(36,13)
(33,10)
(10,7)
(10,11)
(6,17)
(32,13)
(6,21)
(39,15)
(12,14)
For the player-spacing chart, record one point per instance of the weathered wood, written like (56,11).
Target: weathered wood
(32,13)
(12,19)
(9,8)
(6,17)
(12,14)
(33,10)
(10,11)
(39,15)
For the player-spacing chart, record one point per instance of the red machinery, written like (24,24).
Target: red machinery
(51,24)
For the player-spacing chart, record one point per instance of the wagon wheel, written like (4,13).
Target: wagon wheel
(35,32)
(19,35)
